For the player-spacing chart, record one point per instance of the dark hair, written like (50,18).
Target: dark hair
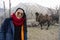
(24,16)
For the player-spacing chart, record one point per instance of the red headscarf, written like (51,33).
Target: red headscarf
(17,22)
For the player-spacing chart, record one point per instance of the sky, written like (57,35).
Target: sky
(46,3)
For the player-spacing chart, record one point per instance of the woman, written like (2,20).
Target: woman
(14,28)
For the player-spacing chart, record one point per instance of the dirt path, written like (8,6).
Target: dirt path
(35,33)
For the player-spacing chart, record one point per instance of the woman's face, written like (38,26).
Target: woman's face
(19,13)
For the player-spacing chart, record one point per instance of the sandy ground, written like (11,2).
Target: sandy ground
(35,33)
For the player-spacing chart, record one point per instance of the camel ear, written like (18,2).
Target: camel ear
(36,13)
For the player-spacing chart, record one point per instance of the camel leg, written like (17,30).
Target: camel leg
(41,26)
(48,25)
